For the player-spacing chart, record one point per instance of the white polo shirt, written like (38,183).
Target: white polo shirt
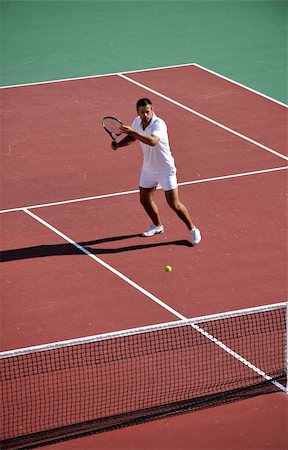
(157,159)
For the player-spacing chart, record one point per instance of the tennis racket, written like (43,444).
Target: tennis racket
(112,125)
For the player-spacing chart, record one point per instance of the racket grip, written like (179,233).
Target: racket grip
(114,145)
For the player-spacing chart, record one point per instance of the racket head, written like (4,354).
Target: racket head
(112,126)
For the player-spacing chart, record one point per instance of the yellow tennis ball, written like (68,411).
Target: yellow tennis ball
(168,268)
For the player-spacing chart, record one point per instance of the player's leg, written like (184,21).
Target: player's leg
(148,203)
(147,186)
(173,201)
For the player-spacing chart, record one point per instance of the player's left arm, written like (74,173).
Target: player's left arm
(146,139)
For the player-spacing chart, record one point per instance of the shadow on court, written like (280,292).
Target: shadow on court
(41,251)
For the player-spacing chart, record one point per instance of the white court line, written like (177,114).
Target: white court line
(88,77)
(238,357)
(135,191)
(157,300)
(107,266)
(104,264)
(214,122)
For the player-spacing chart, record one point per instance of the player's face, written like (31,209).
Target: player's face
(145,113)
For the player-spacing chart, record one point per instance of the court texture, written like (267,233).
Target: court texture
(73,263)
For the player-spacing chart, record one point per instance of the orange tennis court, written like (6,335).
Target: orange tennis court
(74,264)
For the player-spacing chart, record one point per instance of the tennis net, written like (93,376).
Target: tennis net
(71,388)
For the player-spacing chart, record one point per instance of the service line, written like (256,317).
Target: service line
(135,191)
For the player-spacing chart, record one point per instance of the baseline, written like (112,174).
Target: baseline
(63,80)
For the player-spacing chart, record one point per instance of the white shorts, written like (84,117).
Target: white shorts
(167,181)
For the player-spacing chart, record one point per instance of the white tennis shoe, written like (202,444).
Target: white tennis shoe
(153,229)
(196,236)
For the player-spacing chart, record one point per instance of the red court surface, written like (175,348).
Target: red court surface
(232,179)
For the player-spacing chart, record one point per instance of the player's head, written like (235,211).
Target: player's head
(143,102)
(145,109)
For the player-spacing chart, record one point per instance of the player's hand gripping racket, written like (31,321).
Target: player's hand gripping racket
(112,126)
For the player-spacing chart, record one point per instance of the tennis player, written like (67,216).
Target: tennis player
(158,167)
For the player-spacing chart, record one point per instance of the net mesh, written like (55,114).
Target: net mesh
(67,389)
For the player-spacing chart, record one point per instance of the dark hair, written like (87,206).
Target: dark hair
(143,102)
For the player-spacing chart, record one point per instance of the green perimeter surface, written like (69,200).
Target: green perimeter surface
(54,39)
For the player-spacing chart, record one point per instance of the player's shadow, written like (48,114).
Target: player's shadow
(41,251)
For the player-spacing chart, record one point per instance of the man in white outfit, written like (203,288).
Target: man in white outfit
(158,167)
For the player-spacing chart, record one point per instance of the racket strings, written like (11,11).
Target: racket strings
(112,125)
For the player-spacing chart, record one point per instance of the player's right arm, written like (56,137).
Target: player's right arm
(127,140)
(145,138)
